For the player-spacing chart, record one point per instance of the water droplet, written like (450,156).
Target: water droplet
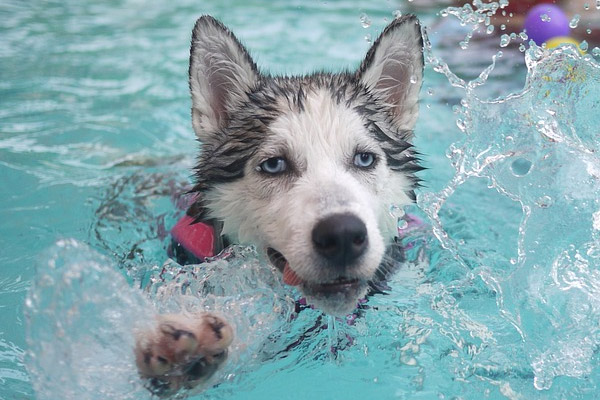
(402,224)
(431,92)
(522,48)
(589,31)
(544,201)
(490,29)
(413,79)
(597,4)
(545,18)
(365,21)
(596,51)
(584,46)
(504,40)
(586,6)
(368,38)
(397,14)
(521,167)
(593,251)
(397,212)
(596,220)
(502,27)
(541,383)
(574,21)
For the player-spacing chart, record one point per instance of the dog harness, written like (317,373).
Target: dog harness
(193,243)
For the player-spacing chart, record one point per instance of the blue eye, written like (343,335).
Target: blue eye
(273,166)
(364,160)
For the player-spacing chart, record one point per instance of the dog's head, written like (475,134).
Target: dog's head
(308,168)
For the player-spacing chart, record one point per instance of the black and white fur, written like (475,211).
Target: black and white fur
(307,168)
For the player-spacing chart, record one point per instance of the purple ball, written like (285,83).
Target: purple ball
(544,22)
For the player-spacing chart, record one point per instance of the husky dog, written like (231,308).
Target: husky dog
(305,168)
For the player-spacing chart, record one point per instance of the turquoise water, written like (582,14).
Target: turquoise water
(501,300)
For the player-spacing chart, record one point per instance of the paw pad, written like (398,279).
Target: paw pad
(182,351)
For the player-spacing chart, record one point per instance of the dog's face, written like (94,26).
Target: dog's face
(308,168)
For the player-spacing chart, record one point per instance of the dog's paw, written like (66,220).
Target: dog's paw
(182,351)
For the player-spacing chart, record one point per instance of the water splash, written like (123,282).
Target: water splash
(82,317)
(475,16)
(543,154)
(365,20)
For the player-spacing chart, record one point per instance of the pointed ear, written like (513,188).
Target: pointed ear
(221,75)
(393,69)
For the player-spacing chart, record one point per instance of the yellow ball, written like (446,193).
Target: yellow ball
(560,40)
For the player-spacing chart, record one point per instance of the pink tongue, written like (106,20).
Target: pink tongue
(290,277)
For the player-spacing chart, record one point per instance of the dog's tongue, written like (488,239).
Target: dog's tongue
(290,277)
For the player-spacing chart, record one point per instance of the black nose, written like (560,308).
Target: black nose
(340,238)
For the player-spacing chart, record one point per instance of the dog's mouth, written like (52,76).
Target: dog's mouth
(339,285)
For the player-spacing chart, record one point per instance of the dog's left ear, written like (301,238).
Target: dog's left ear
(393,69)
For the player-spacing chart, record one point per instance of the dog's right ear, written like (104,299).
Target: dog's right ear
(221,75)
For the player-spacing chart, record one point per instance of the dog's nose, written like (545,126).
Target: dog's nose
(340,238)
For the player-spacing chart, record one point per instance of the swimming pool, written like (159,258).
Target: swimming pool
(95,139)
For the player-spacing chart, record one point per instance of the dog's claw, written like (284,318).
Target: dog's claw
(182,351)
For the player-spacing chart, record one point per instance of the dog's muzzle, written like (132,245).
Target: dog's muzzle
(339,240)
